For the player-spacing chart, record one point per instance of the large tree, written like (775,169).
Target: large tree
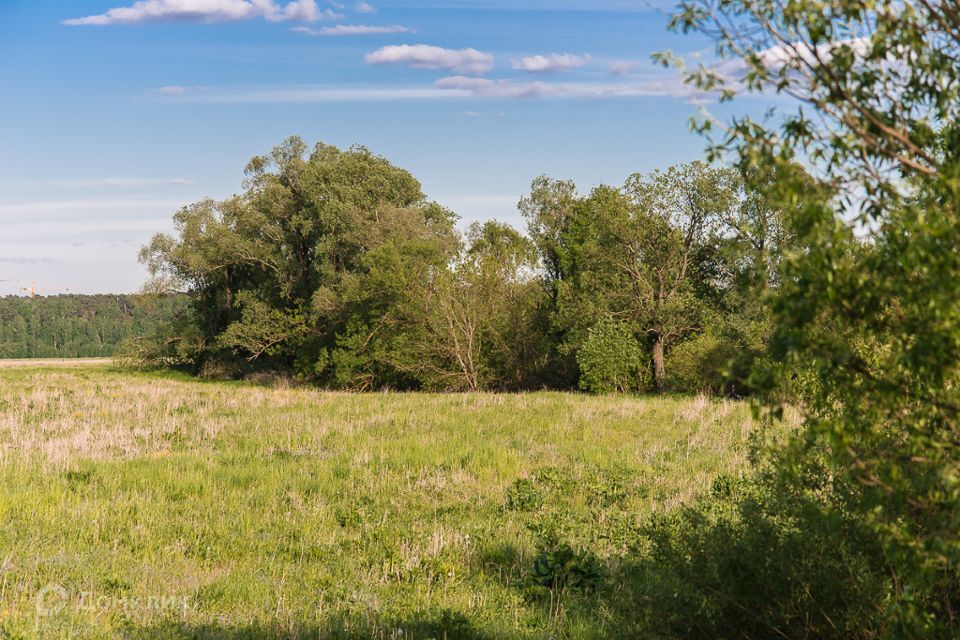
(284,273)
(677,213)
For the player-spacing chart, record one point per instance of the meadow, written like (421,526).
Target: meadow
(139,505)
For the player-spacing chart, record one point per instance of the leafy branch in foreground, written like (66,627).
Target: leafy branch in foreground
(867,325)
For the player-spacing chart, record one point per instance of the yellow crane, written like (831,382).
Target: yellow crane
(33,289)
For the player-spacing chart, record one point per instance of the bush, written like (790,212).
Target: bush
(748,562)
(611,360)
(700,365)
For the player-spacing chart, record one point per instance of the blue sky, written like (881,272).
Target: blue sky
(112,120)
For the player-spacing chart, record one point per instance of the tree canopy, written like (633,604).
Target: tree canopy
(333,266)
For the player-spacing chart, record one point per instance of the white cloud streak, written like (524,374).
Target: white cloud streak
(421,56)
(453,87)
(511,89)
(364,7)
(314,94)
(172,90)
(354,30)
(623,67)
(550,63)
(207,11)
(60,210)
(87,183)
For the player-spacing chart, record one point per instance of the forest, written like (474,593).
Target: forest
(78,326)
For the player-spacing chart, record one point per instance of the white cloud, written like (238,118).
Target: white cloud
(449,88)
(511,89)
(86,210)
(118,182)
(480,114)
(363,7)
(172,90)
(779,55)
(623,67)
(463,83)
(421,56)
(316,94)
(550,63)
(178,90)
(22,260)
(354,30)
(206,11)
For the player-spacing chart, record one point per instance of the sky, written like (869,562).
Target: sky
(116,113)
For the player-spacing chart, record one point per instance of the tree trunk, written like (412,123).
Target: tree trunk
(659,371)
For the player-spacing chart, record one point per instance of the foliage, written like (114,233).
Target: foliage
(78,326)
(523,495)
(611,360)
(333,266)
(670,255)
(314,258)
(559,568)
(700,364)
(865,321)
(748,562)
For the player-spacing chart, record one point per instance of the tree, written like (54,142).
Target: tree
(631,255)
(479,330)
(282,275)
(867,324)
(77,326)
(611,359)
(550,211)
(677,213)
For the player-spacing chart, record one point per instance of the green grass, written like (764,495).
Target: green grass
(169,508)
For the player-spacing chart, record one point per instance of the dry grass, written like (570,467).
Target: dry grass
(59,363)
(280,511)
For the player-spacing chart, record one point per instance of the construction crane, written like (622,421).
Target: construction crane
(33,289)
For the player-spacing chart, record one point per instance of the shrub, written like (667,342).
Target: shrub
(748,562)
(700,365)
(611,360)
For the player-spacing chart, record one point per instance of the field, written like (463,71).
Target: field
(154,506)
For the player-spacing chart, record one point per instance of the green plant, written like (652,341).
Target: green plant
(700,364)
(523,495)
(611,360)
(560,568)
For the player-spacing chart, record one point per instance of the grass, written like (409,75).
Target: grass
(154,506)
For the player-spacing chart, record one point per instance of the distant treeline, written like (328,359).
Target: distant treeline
(78,326)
